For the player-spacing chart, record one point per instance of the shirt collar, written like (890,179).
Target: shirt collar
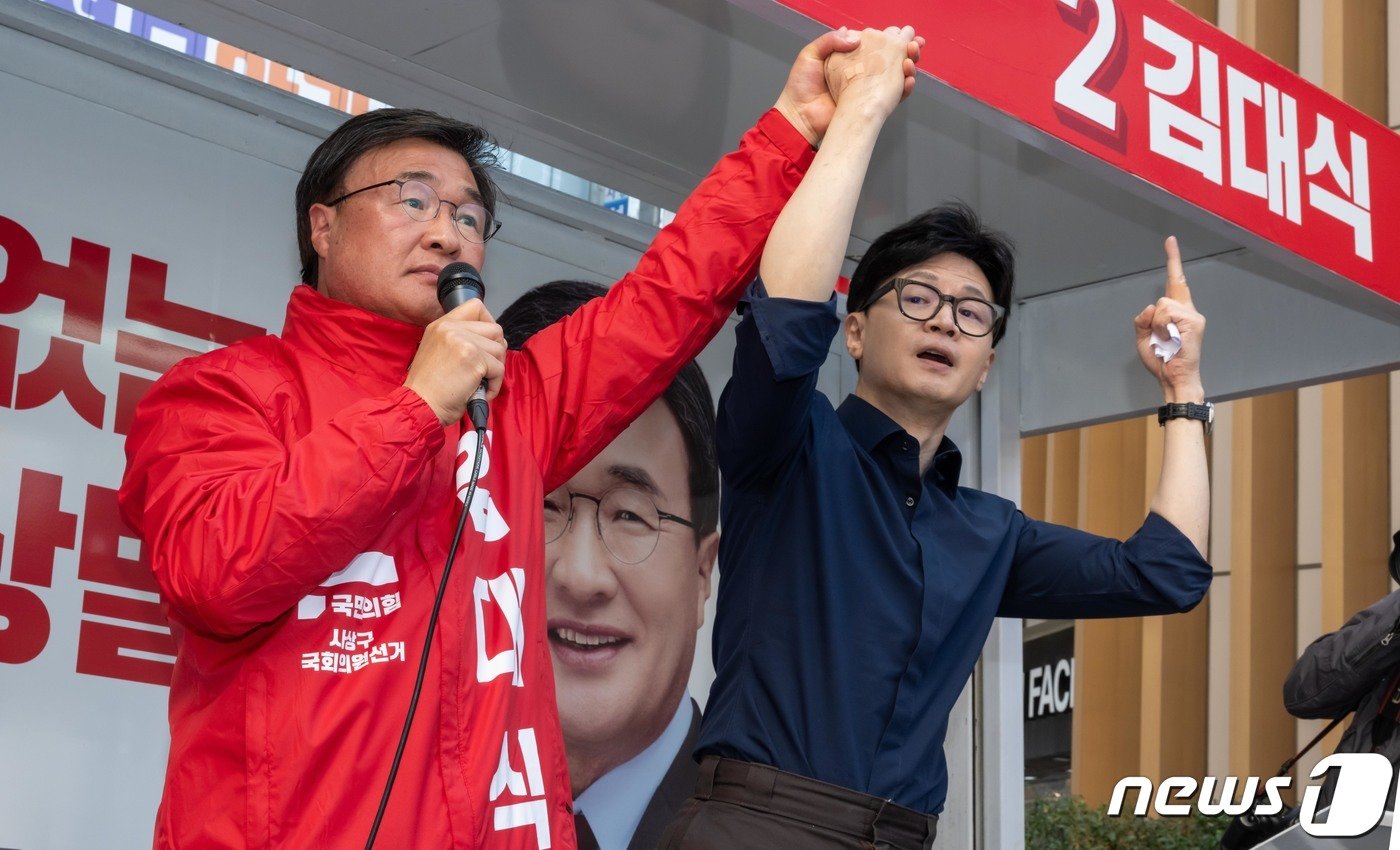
(615,802)
(350,337)
(870,427)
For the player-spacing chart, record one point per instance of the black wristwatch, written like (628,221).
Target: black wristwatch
(1203,412)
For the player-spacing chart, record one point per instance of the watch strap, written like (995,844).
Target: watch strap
(1204,413)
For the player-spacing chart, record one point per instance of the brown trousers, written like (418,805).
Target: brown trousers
(739,805)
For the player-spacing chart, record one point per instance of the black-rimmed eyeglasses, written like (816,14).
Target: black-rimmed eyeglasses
(421,202)
(921,302)
(627,521)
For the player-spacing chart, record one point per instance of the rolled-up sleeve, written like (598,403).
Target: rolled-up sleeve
(1060,572)
(765,410)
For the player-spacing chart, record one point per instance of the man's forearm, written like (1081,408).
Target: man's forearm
(804,251)
(661,314)
(802,258)
(1183,490)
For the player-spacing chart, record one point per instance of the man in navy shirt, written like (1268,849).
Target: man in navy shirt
(859,579)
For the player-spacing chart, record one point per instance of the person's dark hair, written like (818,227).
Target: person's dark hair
(950,228)
(326,168)
(688,397)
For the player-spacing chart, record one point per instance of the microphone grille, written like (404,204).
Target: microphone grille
(454,275)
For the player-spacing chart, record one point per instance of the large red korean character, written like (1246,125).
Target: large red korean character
(26,622)
(9,358)
(41,529)
(146,302)
(123,634)
(82,287)
(62,374)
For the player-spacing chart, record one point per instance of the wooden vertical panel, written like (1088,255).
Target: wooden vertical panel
(1355,496)
(1108,653)
(1175,676)
(1264,513)
(1175,664)
(1218,553)
(1310,463)
(1311,16)
(1207,9)
(1355,416)
(1263,584)
(1033,486)
(1354,54)
(1393,77)
(1153,687)
(1355,423)
(1270,27)
(1062,478)
(1153,437)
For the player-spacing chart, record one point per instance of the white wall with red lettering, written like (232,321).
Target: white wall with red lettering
(145,215)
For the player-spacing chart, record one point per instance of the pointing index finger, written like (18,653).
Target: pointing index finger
(1177,289)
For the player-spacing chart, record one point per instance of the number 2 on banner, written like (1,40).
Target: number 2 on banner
(1072,88)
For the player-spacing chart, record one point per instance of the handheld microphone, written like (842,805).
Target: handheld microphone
(459,283)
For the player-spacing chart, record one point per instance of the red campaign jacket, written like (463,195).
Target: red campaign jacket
(296,502)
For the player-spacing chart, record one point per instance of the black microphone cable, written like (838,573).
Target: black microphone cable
(457,283)
(428,642)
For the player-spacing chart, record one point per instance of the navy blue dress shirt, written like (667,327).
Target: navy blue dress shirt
(856,594)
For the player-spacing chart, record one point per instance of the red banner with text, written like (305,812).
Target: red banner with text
(1155,91)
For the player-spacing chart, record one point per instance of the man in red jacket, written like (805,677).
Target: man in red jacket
(296,494)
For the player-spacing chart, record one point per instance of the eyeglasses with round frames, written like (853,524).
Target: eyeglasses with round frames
(921,302)
(627,520)
(421,202)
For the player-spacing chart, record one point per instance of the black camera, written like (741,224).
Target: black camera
(1250,829)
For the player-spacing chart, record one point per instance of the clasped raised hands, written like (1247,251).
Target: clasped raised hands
(879,73)
(880,64)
